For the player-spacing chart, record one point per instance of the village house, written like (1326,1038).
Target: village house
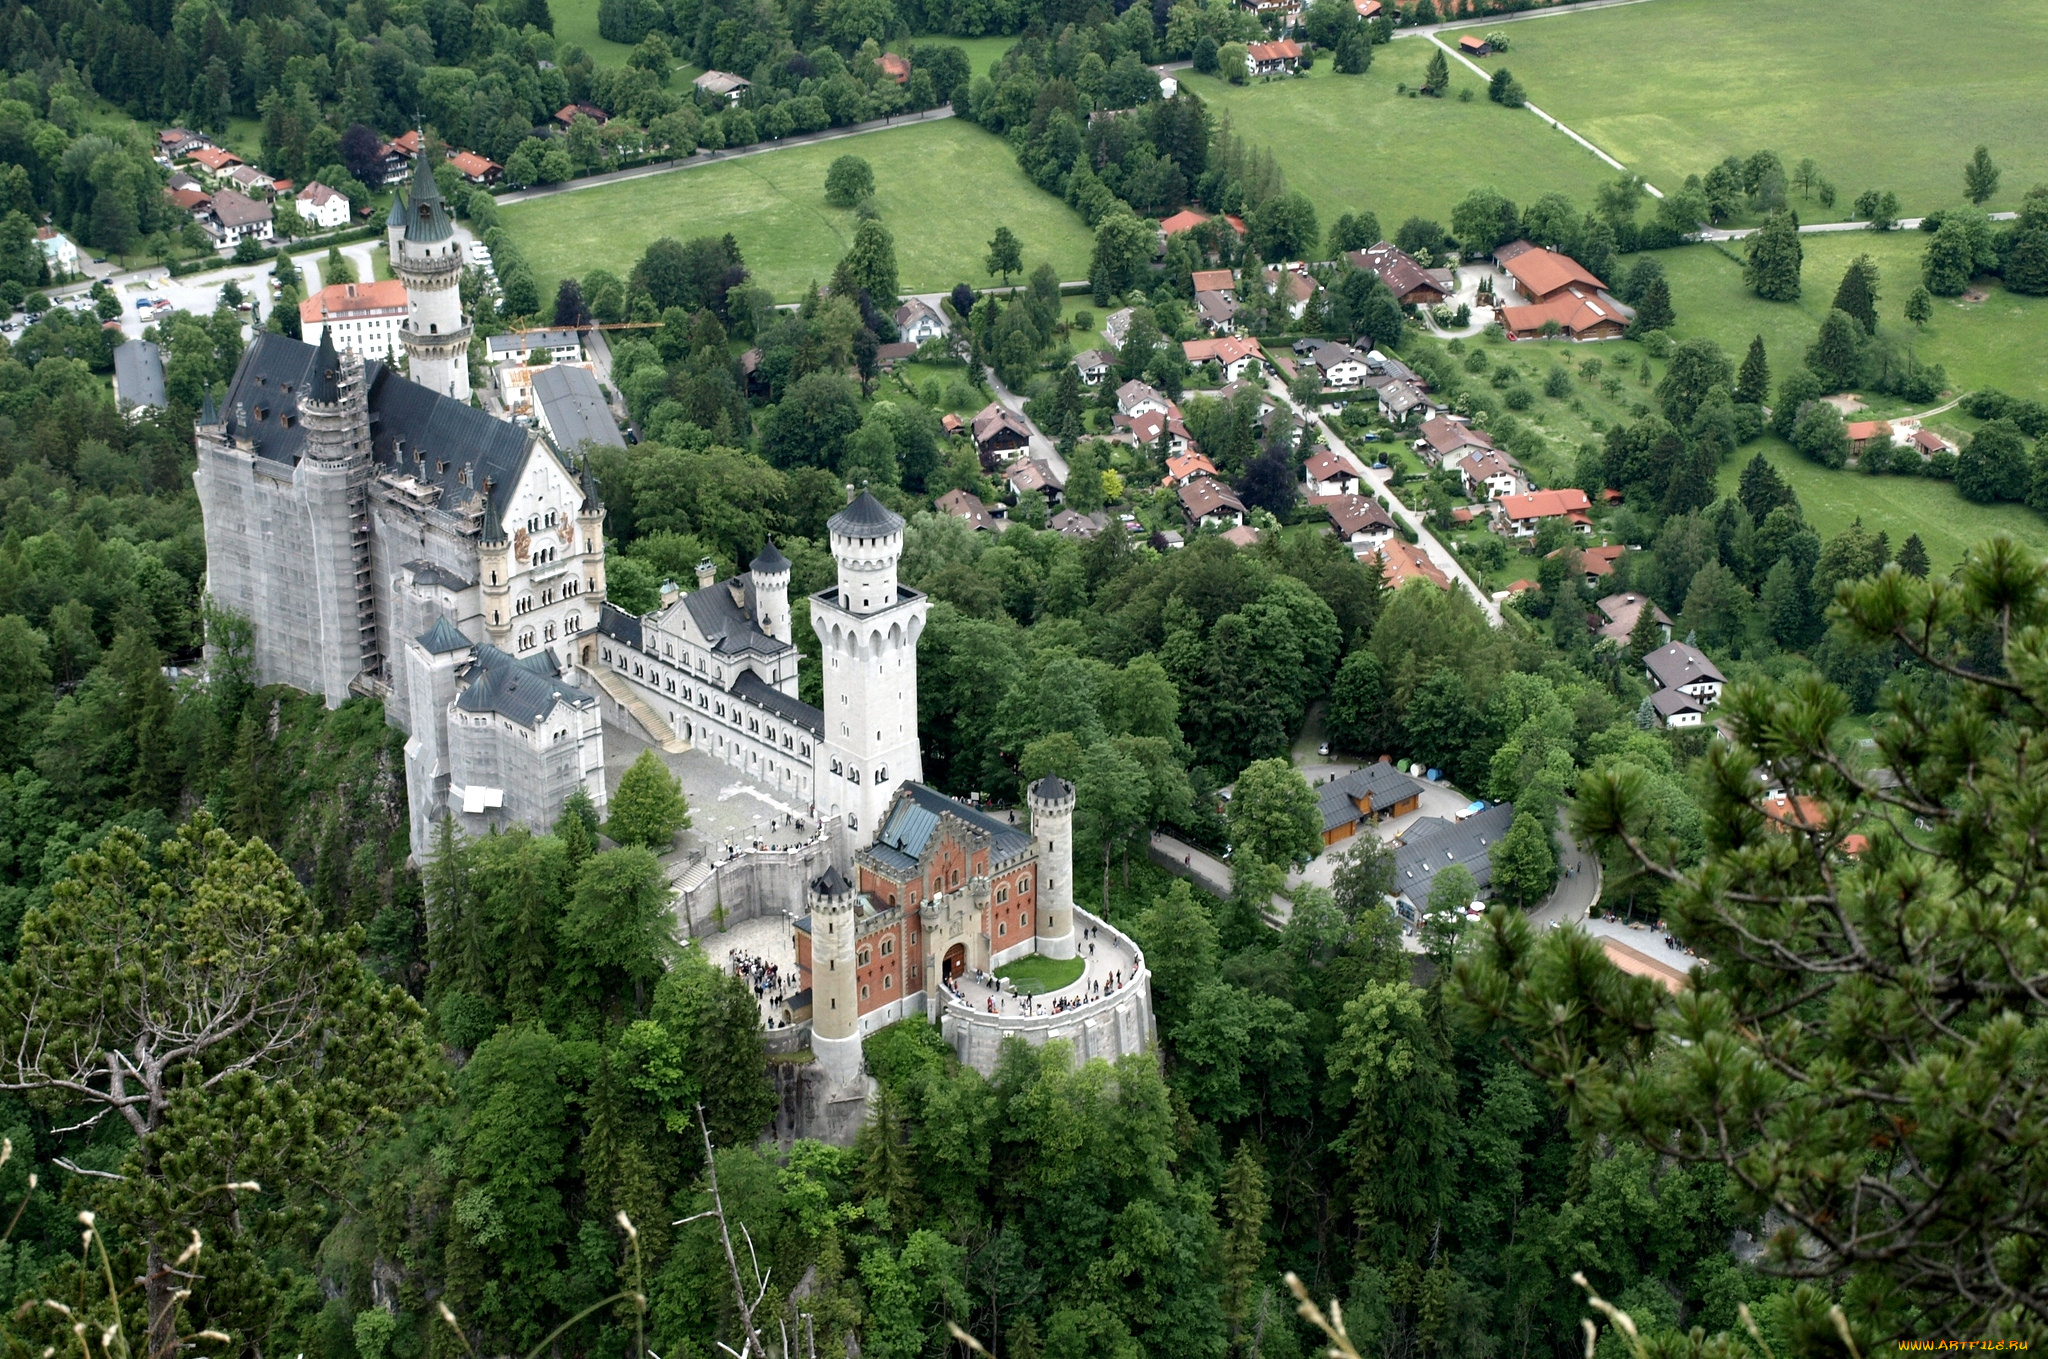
(1472,45)
(1402,561)
(1116,326)
(1402,400)
(1356,519)
(722,85)
(321,206)
(174,142)
(398,155)
(1217,311)
(1524,514)
(1577,313)
(1328,474)
(966,506)
(365,317)
(1263,400)
(918,321)
(569,113)
(1272,58)
(1213,281)
(1078,526)
(894,67)
(1619,615)
(198,202)
(474,168)
(1432,844)
(998,433)
(1208,503)
(1364,796)
(59,252)
(1410,283)
(1167,540)
(1093,365)
(1233,354)
(1450,440)
(249,179)
(236,215)
(1342,368)
(1136,398)
(1863,433)
(1490,474)
(1182,468)
(1029,474)
(887,356)
(515,382)
(1596,562)
(1927,443)
(1684,670)
(519,346)
(1292,287)
(1143,431)
(1244,535)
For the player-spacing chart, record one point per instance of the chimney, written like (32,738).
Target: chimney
(707,573)
(670,592)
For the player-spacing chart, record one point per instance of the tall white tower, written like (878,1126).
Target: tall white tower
(1052,834)
(835,1014)
(429,263)
(868,627)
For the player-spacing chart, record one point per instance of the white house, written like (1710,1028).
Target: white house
(519,346)
(1093,365)
(1686,670)
(1342,366)
(365,317)
(58,251)
(919,321)
(1135,398)
(1494,470)
(322,207)
(1678,708)
(1328,474)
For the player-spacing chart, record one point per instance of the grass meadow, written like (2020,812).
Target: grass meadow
(943,188)
(1352,142)
(576,22)
(1880,94)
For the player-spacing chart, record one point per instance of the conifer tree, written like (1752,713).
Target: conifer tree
(1857,294)
(1245,1206)
(1647,635)
(1438,76)
(1653,308)
(1913,557)
(1753,381)
(1775,256)
(1980,176)
(1836,355)
(1762,489)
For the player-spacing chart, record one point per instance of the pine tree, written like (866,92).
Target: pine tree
(1913,557)
(1762,489)
(1647,635)
(1245,1204)
(1653,308)
(1775,257)
(1836,355)
(1753,382)
(1980,176)
(1920,307)
(1857,294)
(1438,76)
(576,827)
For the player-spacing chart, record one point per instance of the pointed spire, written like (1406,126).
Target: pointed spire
(209,414)
(770,562)
(426,220)
(396,217)
(326,381)
(588,481)
(494,525)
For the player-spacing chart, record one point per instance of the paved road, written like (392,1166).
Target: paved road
(1381,481)
(1813,228)
(720,157)
(1483,74)
(1042,448)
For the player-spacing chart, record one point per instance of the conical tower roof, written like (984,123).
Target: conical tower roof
(426,219)
(396,217)
(587,479)
(494,525)
(865,517)
(326,385)
(209,414)
(770,562)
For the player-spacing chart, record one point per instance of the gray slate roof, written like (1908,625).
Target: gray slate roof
(1679,664)
(751,688)
(525,690)
(573,408)
(915,815)
(519,341)
(615,623)
(865,517)
(429,573)
(770,561)
(434,429)
(1388,786)
(729,627)
(1433,844)
(426,218)
(443,637)
(139,375)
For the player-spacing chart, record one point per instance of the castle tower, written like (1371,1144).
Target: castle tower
(868,628)
(335,475)
(494,572)
(1052,834)
(590,534)
(394,225)
(835,1014)
(429,262)
(771,592)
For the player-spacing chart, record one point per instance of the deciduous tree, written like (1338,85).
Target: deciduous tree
(648,809)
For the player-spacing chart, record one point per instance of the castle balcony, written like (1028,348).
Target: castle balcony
(1110,1025)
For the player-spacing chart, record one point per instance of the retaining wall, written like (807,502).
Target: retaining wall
(1114,1026)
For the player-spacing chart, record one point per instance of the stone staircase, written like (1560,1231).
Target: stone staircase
(621,692)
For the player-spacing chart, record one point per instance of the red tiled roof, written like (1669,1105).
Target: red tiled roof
(1575,310)
(1546,504)
(1471,43)
(1213,280)
(1184,465)
(1187,219)
(1287,49)
(1859,430)
(471,165)
(407,143)
(1543,272)
(1403,561)
(1226,350)
(340,300)
(189,200)
(1326,464)
(895,67)
(215,159)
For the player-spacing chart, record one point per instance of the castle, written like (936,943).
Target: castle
(384,537)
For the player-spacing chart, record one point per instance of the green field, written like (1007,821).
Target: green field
(1035,976)
(943,188)
(576,22)
(1946,522)
(1880,94)
(1351,142)
(1994,343)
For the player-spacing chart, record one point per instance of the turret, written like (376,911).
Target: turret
(428,260)
(494,570)
(590,534)
(334,479)
(835,1014)
(1052,834)
(394,225)
(771,592)
(867,540)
